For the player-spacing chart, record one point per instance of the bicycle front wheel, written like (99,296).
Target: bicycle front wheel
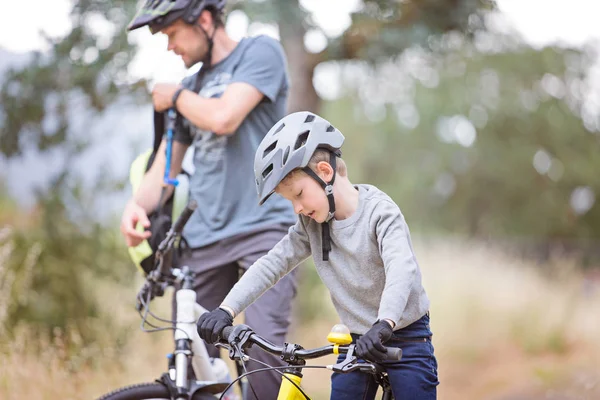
(147,391)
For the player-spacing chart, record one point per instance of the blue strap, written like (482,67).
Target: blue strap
(171,117)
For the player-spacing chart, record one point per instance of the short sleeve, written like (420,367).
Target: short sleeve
(182,131)
(263,66)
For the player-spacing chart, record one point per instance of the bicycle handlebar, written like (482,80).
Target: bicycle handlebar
(184,216)
(164,258)
(154,285)
(393,353)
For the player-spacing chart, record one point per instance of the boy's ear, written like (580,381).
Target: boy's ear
(325,171)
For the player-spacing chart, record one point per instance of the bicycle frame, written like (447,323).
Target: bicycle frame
(187,338)
(189,347)
(211,375)
(290,391)
(287,391)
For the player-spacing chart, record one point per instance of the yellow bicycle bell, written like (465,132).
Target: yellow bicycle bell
(340,335)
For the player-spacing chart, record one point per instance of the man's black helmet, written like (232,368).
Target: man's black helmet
(158,14)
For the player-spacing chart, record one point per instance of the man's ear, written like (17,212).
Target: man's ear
(324,171)
(205,20)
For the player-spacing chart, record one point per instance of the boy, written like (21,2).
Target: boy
(362,251)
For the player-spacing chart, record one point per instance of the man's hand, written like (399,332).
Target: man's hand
(133,214)
(211,324)
(370,345)
(162,96)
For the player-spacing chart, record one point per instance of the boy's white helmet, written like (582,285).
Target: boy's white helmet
(289,145)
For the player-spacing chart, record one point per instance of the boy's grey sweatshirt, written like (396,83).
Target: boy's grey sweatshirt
(372,272)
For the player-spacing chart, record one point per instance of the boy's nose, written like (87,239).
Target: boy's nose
(297,208)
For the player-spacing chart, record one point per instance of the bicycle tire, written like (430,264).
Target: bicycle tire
(147,391)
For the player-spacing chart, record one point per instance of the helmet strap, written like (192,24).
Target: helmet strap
(206,61)
(328,187)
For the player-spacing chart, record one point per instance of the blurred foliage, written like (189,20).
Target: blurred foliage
(51,255)
(493,141)
(48,265)
(86,66)
(378,29)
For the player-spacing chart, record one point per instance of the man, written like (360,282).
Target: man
(226,109)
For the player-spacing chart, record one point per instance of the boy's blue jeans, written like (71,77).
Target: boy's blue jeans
(414,377)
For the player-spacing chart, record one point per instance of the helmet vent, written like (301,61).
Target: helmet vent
(269,149)
(309,118)
(267,171)
(330,129)
(286,154)
(301,140)
(279,129)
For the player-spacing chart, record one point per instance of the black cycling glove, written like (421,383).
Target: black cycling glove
(211,324)
(370,345)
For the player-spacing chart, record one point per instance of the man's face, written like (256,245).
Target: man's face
(187,41)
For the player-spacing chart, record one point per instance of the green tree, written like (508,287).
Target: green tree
(379,30)
(55,251)
(85,66)
(488,138)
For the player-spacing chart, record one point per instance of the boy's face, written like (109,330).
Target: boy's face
(306,195)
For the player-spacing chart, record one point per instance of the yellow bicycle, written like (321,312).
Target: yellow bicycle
(240,337)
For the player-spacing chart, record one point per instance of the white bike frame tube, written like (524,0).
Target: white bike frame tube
(188,312)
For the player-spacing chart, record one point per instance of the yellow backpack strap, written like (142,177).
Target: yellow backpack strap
(136,173)
(138,169)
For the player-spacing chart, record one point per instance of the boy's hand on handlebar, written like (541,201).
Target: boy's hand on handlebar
(211,324)
(370,345)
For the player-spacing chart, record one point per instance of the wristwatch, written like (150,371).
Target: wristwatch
(176,96)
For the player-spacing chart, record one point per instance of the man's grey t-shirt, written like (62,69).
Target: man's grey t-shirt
(372,272)
(223,182)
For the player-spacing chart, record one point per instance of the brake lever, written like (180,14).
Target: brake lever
(367,368)
(142,297)
(149,291)
(222,346)
(238,341)
(350,363)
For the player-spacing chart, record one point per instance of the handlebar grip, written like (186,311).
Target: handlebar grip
(393,354)
(226,332)
(184,216)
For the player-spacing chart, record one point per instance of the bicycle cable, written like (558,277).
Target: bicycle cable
(146,305)
(239,349)
(280,373)
(276,369)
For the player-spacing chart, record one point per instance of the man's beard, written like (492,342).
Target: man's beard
(193,61)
